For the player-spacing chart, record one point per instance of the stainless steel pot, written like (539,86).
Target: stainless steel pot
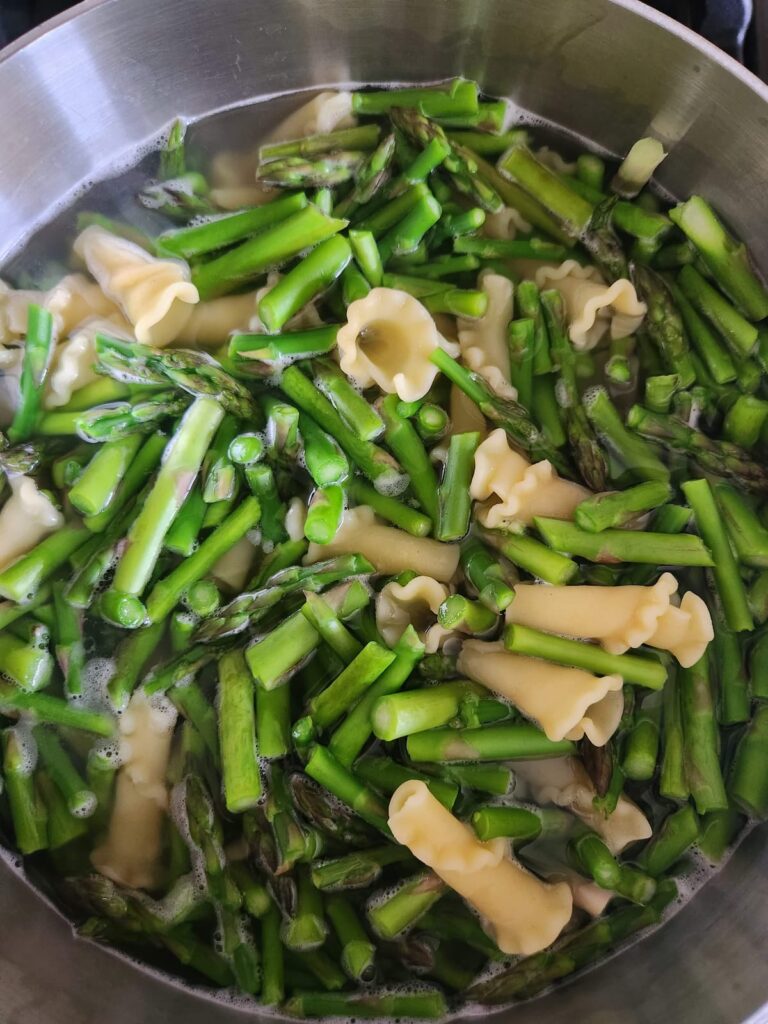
(91,87)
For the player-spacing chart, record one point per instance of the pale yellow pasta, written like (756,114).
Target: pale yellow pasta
(326,112)
(542,857)
(238,197)
(465,415)
(295,518)
(156,295)
(566,703)
(389,550)
(10,372)
(26,518)
(210,323)
(563,781)
(505,223)
(74,360)
(590,302)
(387,340)
(522,913)
(131,852)
(234,567)
(233,168)
(415,604)
(619,617)
(483,342)
(73,300)
(519,491)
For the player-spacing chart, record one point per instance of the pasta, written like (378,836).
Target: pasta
(566,703)
(465,415)
(391,551)
(71,302)
(387,340)
(74,360)
(415,604)
(522,913)
(326,112)
(505,223)
(552,159)
(295,518)
(210,323)
(131,852)
(483,342)
(155,295)
(26,518)
(590,303)
(10,372)
(523,490)
(619,617)
(234,567)
(563,781)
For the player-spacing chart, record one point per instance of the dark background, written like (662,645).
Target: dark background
(738,26)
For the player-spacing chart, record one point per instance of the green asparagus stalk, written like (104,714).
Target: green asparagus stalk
(571,213)
(737,332)
(533,556)
(679,831)
(36,362)
(422,1005)
(639,458)
(700,736)
(748,784)
(486,575)
(594,857)
(357,950)
(323,767)
(237,738)
(357,870)
(620,508)
(80,799)
(624,545)
(391,916)
(331,704)
(21,580)
(489,743)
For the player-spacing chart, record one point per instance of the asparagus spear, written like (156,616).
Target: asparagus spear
(663,323)
(28,811)
(748,784)
(489,743)
(620,508)
(36,362)
(700,737)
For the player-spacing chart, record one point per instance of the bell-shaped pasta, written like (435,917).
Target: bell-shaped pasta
(387,340)
(522,913)
(131,852)
(483,342)
(464,414)
(324,113)
(415,604)
(522,490)
(295,518)
(210,323)
(10,373)
(26,518)
(564,782)
(74,359)
(234,567)
(554,161)
(566,703)
(591,303)
(72,301)
(156,295)
(505,223)
(391,551)
(547,860)
(619,617)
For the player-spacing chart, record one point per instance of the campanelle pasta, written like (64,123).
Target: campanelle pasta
(483,342)
(590,302)
(391,551)
(131,852)
(414,604)
(523,490)
(74,360)
(619,617)
(522,913)
(72,301)
(155,295)
(563,781)
(26,518)
(566,703)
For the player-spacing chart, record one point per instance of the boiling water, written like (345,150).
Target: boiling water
(46,256)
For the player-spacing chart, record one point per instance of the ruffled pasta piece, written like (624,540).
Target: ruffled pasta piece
(391,551)
(387,340)
(10,373)
(483,342)
(522,913)
(210,323)
(156,295)
(465,415)
(543,859)
(505,223)
(234,567)
(564,782)
(619,617)
(26,518)
(295,518)
(232,168)
(566,703)
(522,490)
(131,853)
(590,303)
(415,604)
(325,113)
(74,359)
(552,159)
(239,197)
(72,301)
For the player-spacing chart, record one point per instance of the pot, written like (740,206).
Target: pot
(83,93)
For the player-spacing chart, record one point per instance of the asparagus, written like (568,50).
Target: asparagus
(660,390)
(403,714)
(679,831)
(357,870)
(486,575)
(25,664)
(348,687)
(664,323)
(272,966)
(45,707)
(641,747)
(131,658)
(639,458)
(339,824)
(489,743)
(349,403)
(420,1005)
(312,275)
(714,355)
(63,827)
(395,512)
(521,345)
(323,767)
(21,580)
(324,171)
(620,508)
(571,213)
(725,257)
(737,332)
(700,737)
(453,493)
(307,929)
(386,775)
(624,545)
(141,467)
(273,712)
(593,855)
(744,421)
(533,556)
(391,916)
(357,950)
(28,812)
(717,831)
(511,249)
(515,823)
(465,616)
(757,667)
(36,362)
(529,306)
(633,668)
(373,462)
(748,784)
(80,799)
(237,740)
(405,442)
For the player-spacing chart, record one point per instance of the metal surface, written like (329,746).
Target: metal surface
(90,90)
